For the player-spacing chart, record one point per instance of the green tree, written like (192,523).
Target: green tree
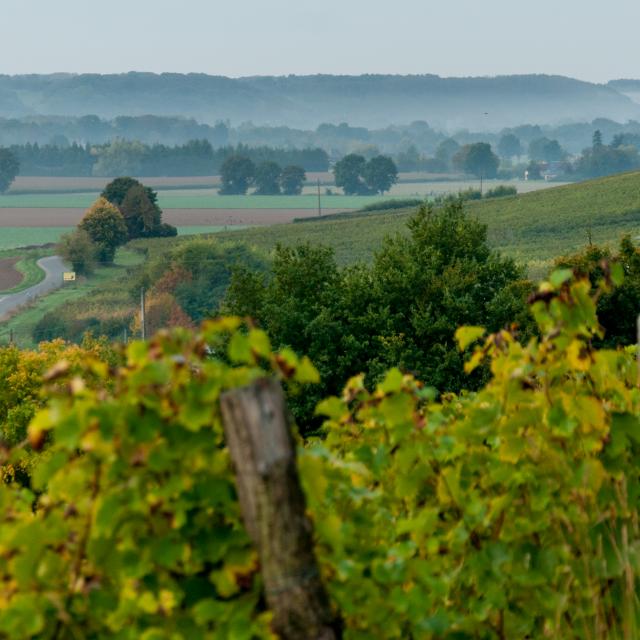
(267,178)
(380,174)
(445,153)
(597,139)
(9,168)
(509,146)
(402,310)
(106,227)
(292,180)
(477,159)
(79,251)
(236,173)
(543,149)
(116,191)
(141,215)
(348,174)
(618,307)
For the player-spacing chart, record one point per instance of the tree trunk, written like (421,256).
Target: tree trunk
(258,434)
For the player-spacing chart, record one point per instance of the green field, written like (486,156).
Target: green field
(14,237)
(192,199)
(209,199)
(22,324)
(534,228)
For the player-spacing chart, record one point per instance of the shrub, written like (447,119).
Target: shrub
(501,191)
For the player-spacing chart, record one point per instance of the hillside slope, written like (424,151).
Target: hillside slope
(367,100)
(535,228)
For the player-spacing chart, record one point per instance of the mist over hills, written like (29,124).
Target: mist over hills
(481,103)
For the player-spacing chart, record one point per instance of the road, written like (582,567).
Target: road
(54,267)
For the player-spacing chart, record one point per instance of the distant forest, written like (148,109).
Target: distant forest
(121,157)
(373,101)
(166,146)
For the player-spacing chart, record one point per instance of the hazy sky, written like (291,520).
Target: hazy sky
(588,39)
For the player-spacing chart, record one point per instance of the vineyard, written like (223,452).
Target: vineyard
(511,512)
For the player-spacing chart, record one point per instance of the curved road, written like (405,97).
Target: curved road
(54,267)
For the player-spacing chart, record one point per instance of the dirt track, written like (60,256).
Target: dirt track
(9,276)
(180,217)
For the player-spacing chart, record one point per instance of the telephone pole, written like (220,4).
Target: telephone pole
(142,315)
(319,204)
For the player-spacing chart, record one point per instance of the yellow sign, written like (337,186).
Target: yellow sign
(69,276)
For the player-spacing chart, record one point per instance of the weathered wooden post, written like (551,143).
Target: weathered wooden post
(258,434)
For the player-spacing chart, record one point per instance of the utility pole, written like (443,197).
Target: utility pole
(319,204)
(142,315)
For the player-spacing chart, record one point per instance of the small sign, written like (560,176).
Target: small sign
(69,276)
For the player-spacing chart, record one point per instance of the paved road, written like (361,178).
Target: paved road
(53,268)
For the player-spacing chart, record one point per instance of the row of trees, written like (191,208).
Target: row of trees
(357,176)
(239,172)
(125,157)
(125,210)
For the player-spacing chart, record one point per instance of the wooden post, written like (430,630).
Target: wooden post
(258,434)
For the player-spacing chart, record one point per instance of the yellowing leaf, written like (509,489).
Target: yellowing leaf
(467,335)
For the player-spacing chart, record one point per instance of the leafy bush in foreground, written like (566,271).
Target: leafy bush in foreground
(510,513)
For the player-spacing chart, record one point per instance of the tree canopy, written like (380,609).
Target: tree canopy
(237,173)
(105,225)
(9,168)
(401,310)
(292,180)
(267,178)
(477,159)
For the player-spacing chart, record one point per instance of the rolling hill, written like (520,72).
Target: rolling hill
(367,100)
(534,228)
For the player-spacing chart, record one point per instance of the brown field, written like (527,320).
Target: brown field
(9,276)
(40,217)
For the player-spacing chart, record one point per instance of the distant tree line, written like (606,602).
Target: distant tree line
(239,172)
(122,157)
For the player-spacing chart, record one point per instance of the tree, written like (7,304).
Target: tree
(139,205)
(543,149)
(402,310)
(116,191)
(348,172)
(409,159)
(142,217)
(380,174)
(509,146)
(267,178)
(597,139)
(292,180)
(79,251)
(236,174)
(9,168)
(445,152)
(477,159)
(106,227)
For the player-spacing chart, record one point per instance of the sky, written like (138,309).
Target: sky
(587,39)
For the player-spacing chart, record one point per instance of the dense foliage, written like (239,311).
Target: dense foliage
(359,176)
(401,310)
(105,225)
(508,513)
(139,206)
(134,157)
(9,168)
(617,309)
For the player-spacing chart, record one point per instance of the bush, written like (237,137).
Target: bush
(79,251)
(396,203)
(501,191)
